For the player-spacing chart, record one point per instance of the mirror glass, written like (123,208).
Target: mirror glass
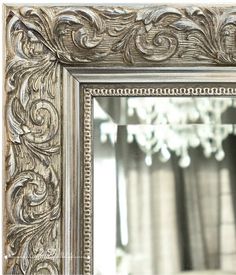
(164,185)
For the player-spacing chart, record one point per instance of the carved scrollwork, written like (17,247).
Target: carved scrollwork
(33,188)
(42,39)
(208,32)
(31,225)
(154,34)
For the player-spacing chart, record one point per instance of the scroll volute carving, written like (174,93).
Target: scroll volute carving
(146,36)
(33,188)
(42,40)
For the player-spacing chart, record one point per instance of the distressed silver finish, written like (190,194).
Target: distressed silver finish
(41,43)
(148,36)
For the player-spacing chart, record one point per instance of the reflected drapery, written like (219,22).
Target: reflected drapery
(104,187)
(177,219)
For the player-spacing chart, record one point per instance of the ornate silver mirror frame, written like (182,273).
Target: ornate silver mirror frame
(54,57)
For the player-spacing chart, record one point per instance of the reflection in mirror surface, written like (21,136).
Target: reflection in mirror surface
(164,186)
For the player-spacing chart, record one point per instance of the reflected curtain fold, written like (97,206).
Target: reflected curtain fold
(177,219)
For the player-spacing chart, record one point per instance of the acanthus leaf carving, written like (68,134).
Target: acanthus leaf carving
(42,39)
(207,30)
(33,191)
(156,34)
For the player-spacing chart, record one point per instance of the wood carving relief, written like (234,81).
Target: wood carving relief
(40,41)
(33,188)
(133,36)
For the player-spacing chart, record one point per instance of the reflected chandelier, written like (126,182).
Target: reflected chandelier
(169,125)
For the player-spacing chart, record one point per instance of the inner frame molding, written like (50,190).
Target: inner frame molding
(43,44)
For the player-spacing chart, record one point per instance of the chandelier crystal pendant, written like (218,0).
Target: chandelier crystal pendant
(174,125)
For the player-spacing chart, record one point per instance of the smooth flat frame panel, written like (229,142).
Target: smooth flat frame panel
(48,186)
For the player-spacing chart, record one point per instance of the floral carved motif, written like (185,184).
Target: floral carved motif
(33,188)
(135,36)
(40,41)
